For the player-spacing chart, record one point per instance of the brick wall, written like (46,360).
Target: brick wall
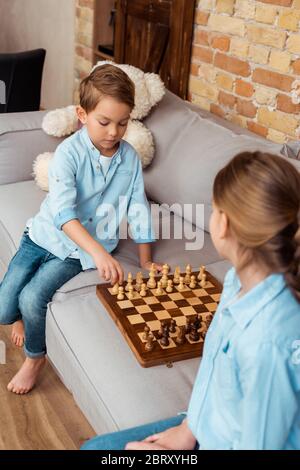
(83,41)
(245,60)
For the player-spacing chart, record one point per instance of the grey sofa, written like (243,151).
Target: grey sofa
(84,345)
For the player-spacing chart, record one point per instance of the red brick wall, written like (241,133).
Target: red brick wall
(245,60)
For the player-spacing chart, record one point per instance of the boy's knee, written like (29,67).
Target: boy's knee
(29,303)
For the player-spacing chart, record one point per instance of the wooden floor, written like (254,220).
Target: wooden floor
(45,419)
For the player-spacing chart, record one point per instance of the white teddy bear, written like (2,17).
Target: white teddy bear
(149,90)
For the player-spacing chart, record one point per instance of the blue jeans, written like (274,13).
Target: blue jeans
(118,440)
(32,278)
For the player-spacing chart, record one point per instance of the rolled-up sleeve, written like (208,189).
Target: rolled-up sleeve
(62,188)
(270,405)
(139,213)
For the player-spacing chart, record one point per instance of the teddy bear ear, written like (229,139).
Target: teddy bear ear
(156,88)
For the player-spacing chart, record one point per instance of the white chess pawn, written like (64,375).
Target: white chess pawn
(203,281)
(151,283)
(201,272)
(181,284)
(121,293)
(130,293)
(188,271)
(193,283)
(143,292)
(139,281)
(129,282)
(159,290)
(169,288)
(115,289)
(176,279)
(164,279)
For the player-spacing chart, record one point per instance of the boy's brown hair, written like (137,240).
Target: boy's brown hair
(106,80)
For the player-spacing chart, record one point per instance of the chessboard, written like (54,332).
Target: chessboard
(163,325)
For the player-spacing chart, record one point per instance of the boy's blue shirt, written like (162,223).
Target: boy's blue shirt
(247,391)
(78,190)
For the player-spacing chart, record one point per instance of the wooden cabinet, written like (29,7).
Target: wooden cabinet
(156,36)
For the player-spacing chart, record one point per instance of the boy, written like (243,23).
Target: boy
(95,178)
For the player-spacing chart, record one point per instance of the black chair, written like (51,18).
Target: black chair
(22,75)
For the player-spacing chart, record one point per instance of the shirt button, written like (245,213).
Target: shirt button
(98,167)
(57,180)
(90,219)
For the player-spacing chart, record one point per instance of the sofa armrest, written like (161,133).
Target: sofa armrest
(21,140)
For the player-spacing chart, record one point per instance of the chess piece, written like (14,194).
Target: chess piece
(139,281)
(188,272)
(203,281)
(165,337)
(115,289)
(121,293)
(201,272)
(188,325)
(181,284)
(193,282)
(129,282)
(149,345)
(194,335)
(169,287)
(161,329)
(165,272)
(130,294)
(159,290)
(181,335)
(151,283)
(146,333)
(173,325)
(176,278)
(143,292)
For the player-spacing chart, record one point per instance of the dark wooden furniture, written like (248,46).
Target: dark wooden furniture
(154,35)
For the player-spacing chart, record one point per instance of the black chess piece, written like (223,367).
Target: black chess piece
(165,338)
(173,326)
(194,335)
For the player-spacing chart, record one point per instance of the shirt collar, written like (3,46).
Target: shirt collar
(247,307)
(94,152)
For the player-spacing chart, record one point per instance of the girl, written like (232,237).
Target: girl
(247,391)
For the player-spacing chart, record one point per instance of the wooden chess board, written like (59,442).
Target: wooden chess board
(131,317)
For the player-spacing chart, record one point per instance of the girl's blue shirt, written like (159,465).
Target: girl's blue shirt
(247,391)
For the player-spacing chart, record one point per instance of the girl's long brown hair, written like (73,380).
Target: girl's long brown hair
(260,194)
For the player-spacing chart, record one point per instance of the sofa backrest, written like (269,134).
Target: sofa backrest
(191,147)
(21,140)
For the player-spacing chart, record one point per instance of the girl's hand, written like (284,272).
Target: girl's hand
(158,267)
(176,438)
(108,268)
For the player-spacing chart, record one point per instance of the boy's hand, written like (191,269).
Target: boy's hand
(158,267)
(108,268)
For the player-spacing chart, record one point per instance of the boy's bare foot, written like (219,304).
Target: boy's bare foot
(26,378)
(18,334)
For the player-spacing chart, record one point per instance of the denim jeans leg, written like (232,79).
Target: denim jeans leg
(21,269)
(118,440)
(36,295)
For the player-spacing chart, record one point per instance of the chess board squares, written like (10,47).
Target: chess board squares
(124,304)
(169,305)
(135,319)
(216,297)
(162,315)
(212,307)
(151,300)
(143,309)
(194,301)
(194,342)
(188,310)
(176,296)
(164,294)
(171,345)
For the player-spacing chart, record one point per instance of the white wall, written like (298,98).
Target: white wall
(49,24)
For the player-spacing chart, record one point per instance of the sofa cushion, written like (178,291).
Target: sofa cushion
(191,147)
(13,217)
(21,141)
